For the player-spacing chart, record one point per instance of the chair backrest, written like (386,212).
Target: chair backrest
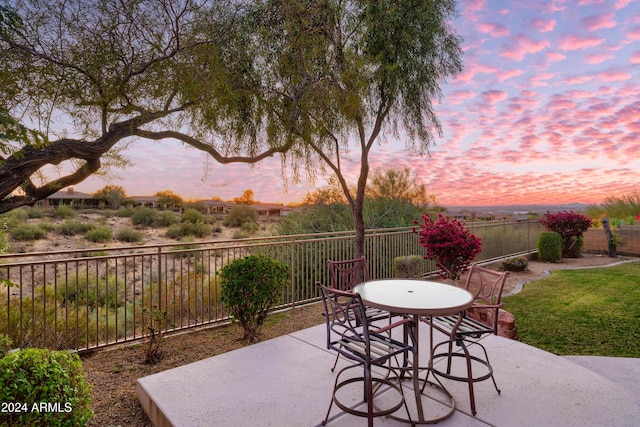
(486,285)
(348,273)
(345,317)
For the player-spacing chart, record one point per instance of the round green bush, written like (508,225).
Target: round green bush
(167,218)
(250,287)
(192,215)
(72,227)
(550,246)
(239,215)
(129,235)
(100,234)
(145,217)
(26,231)
(49,386)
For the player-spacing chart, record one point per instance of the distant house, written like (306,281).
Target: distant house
(70,197)
(271,209)
(216,206)
(146,201)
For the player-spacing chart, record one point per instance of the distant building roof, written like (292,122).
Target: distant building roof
(69,193)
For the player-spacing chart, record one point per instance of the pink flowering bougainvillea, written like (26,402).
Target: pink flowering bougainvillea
(449,243)
(569,225)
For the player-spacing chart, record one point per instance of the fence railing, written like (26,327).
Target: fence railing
(89,298)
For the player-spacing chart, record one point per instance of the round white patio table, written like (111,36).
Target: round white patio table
(417,298)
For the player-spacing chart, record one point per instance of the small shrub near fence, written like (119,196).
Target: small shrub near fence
(52,380)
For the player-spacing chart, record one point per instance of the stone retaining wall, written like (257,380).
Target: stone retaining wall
(595,240)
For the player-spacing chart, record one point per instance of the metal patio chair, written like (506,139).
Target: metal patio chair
(350,334)
(345,275)
(463,330)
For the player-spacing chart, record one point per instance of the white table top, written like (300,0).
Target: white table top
(407,296)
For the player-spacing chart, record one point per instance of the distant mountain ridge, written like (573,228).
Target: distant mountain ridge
(534,208)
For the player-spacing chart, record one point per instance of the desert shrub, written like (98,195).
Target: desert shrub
(250,227)
(239,215)
(167,218)
(43,320)
(570,226)
(145,217)
(126,212)
(46,225)
(39,376)
(515,264)
(129,235)
(86,289)
(25,231)
(64,211)
(192,215)
(100,234)
(240,234)
(250,287)
(410,266)
(73,227)
(37,212)
(550,246)
(185,229)
(449,243)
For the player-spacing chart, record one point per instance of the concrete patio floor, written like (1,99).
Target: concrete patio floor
(287,381)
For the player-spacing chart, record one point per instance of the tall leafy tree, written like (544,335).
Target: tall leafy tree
(112,194)
(353,70)
(95,75)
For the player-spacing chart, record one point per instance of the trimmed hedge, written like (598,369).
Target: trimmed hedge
(550,246)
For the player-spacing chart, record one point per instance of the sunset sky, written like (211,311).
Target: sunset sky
(546,110)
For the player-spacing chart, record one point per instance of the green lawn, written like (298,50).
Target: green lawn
(590,312)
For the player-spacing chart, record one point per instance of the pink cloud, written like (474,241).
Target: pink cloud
(619,4)
(598,22)
(555,56)
(508,74)
(493,96)
(522,45)
(577,80)
(472,8)
(494,30)
(634,33)
(459,96)
(573,42)
(543,25)
(615,76)
(635,57)
(597,58)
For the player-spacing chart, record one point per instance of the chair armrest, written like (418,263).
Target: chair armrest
(487,306)
(392,325)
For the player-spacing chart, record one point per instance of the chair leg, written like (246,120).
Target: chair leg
(335,363)
(467,356)
(368,387)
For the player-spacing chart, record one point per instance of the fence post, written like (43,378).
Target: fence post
(293,272)
(159,288)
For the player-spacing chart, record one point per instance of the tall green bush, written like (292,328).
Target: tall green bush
(250,287)
(144,217)
(550,246)
(49,387)
(239,215)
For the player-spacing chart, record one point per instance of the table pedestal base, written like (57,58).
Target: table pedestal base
(437,409)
